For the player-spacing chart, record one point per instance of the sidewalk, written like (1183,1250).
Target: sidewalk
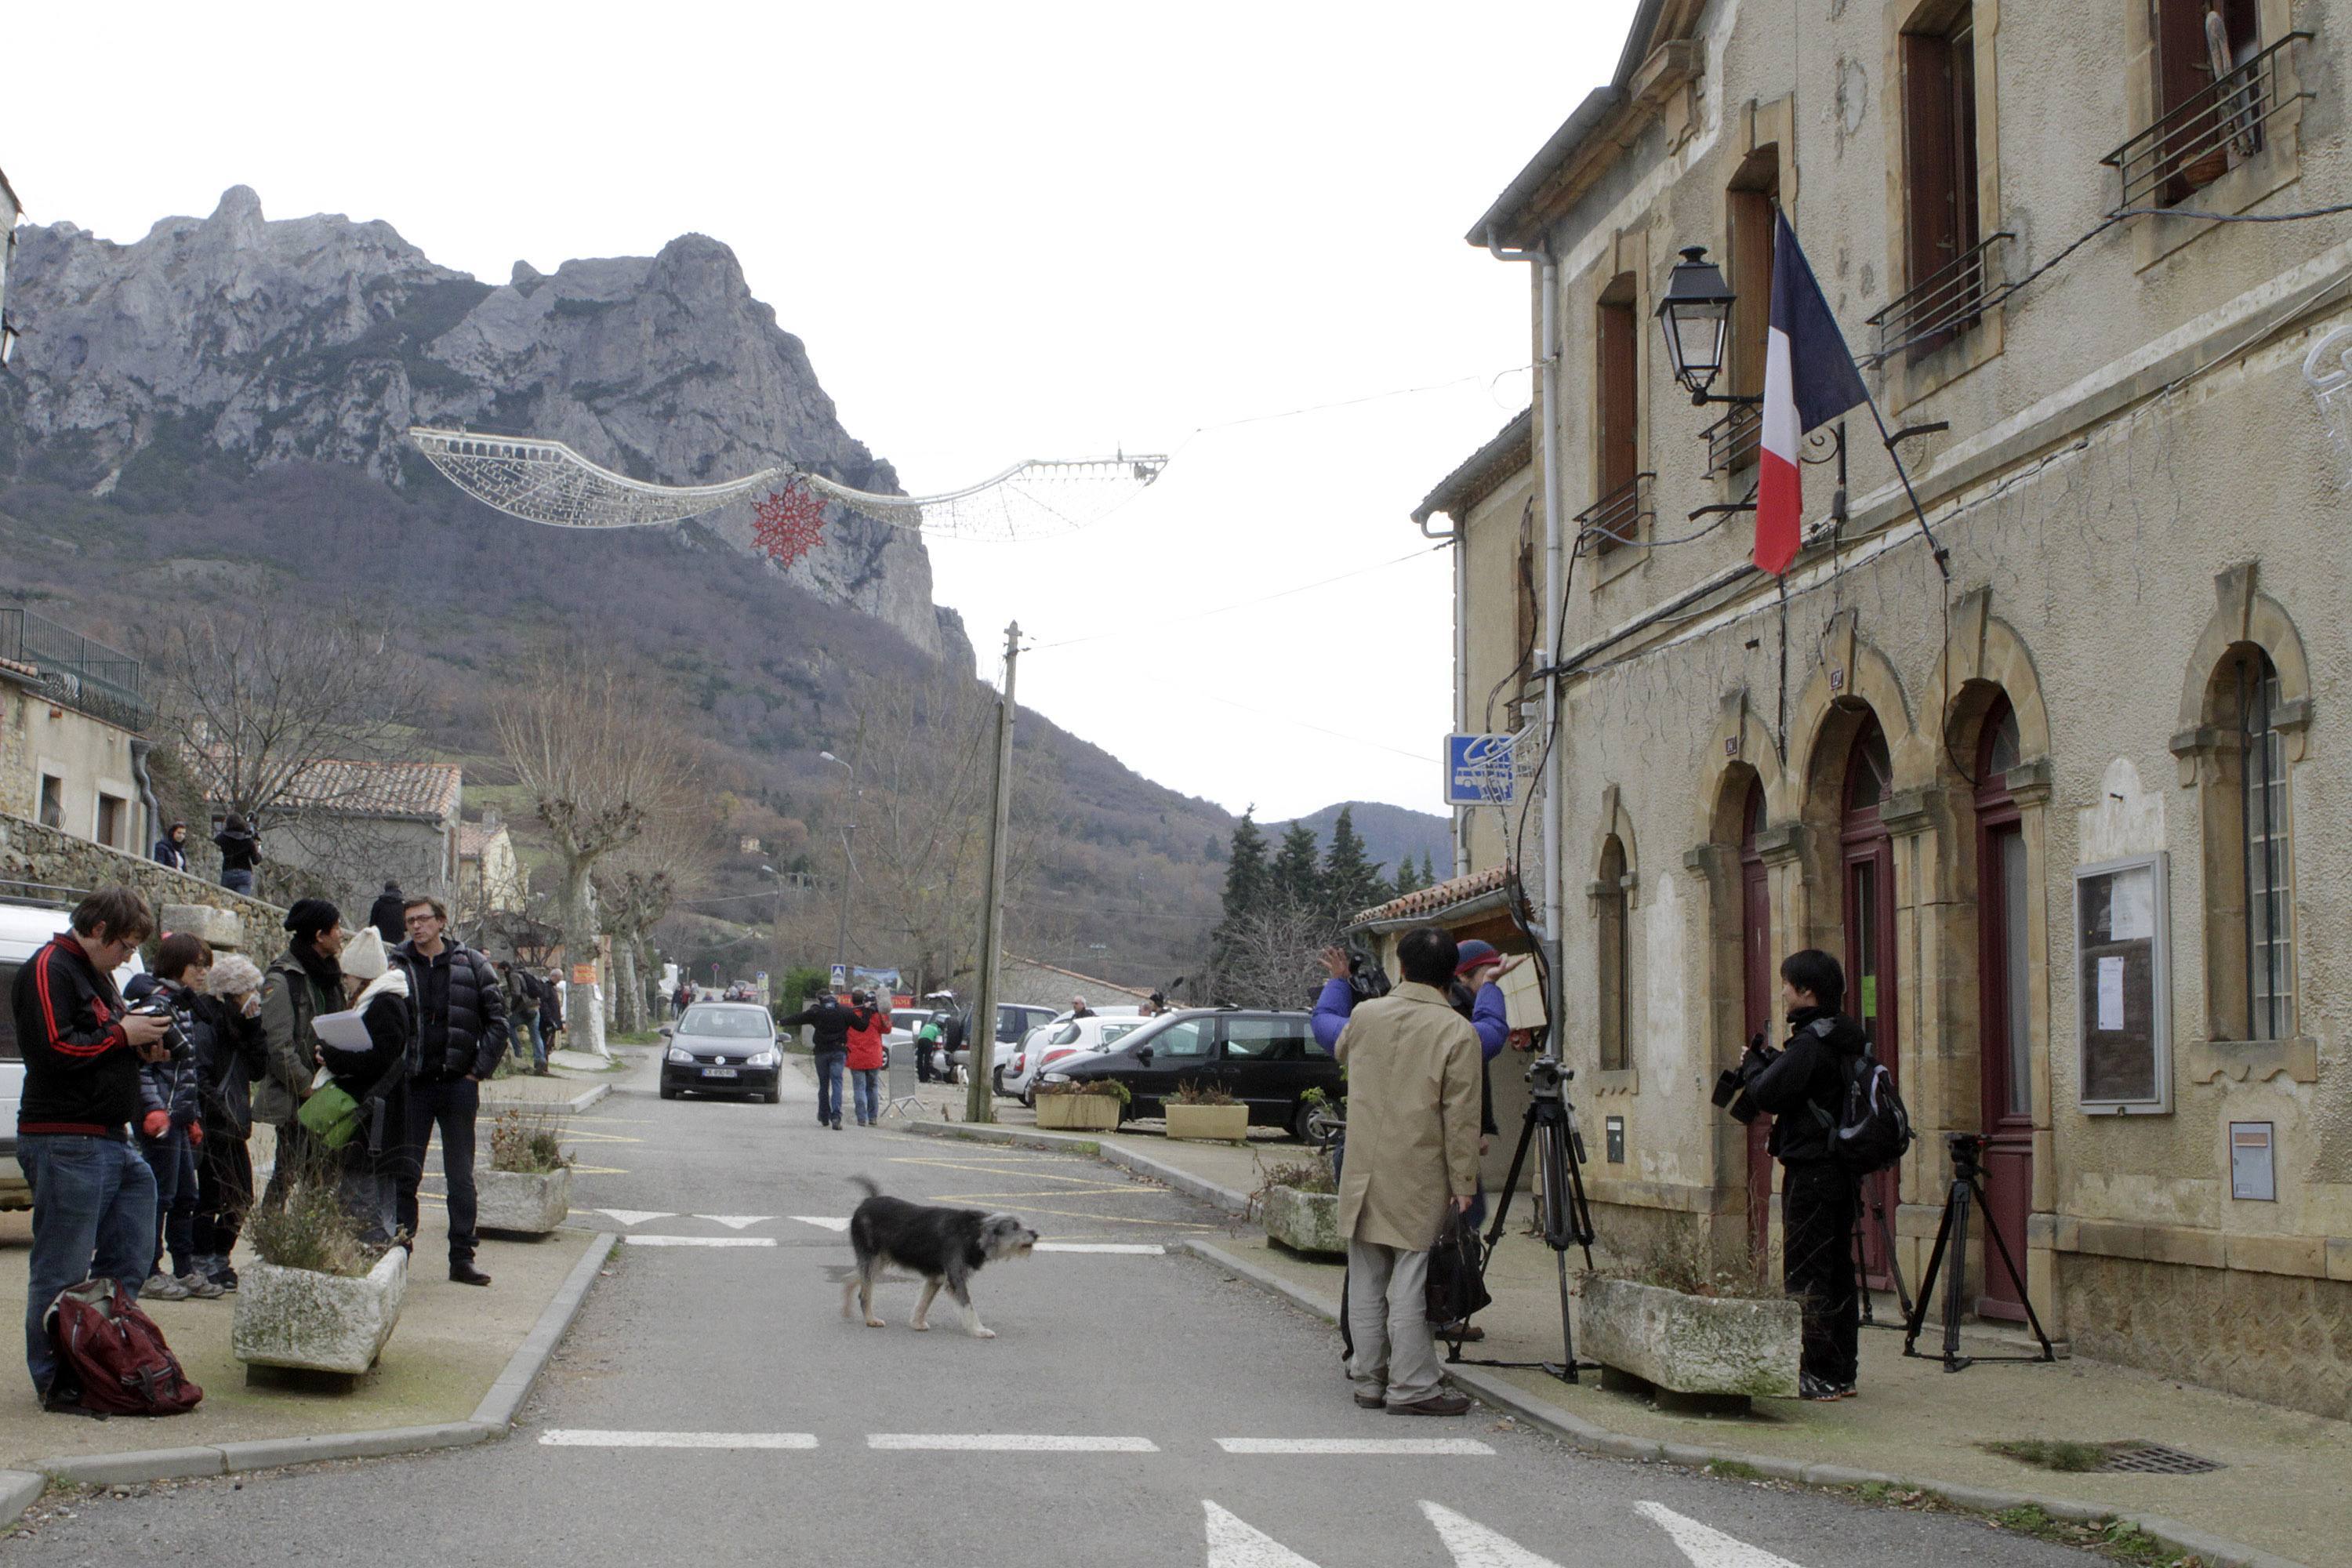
(2280,1494)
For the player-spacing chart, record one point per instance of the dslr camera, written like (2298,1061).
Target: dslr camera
(1732,1085)
(176,1039)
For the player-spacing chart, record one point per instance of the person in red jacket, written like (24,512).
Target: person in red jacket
(866,1034)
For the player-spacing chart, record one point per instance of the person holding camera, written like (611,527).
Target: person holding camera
(1802,1087)
(171,1126)
(93,1197)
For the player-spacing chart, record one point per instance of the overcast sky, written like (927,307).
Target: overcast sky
(1004,232)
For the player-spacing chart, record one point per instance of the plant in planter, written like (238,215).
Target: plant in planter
(318,1298)
(1208,1113)
(1669,1322)
(1094,1106)
(527,1191)
(1298,1203)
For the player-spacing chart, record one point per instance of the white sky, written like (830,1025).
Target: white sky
(1004,232)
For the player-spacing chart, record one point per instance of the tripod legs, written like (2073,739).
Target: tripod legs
(1566,1220)
(1966,1193)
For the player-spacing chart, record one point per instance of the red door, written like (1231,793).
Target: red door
(2006,1071)
(1756,961)
(1868,856)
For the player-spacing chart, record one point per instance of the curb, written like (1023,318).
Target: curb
(19,1489)
(572,1107)
(1579,1433)
(1142,1165)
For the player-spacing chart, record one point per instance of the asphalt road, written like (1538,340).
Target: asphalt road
(1136,1408)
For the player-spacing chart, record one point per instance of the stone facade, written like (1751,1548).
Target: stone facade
(81,760)
(2137,500)
(1026,981)
(48,859)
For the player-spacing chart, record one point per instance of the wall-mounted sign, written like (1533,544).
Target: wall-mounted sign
(2123,969)
(584,974)
(2252,1174)
(1482,770)
(1614,1133)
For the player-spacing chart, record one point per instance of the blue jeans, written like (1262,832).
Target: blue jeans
(525,1032)
(93,1218)
(173,1160)
(870,1094)
(238,881)
(828,1085)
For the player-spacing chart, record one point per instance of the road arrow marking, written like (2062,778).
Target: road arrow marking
(1009,1443)
(700,1240)
(1425,1446)
(586,1437)
(1233,1544)
(827,1222)
(736,1221)
(637,1216)
(1708,1548)
(1475,1546)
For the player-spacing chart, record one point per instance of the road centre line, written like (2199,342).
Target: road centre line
(1461,1446)
(1093,1179)
(700,1240)
(1008,1443)
(588,1437)
(1015,1197)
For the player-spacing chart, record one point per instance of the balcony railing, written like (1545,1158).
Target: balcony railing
(1616,518)
(1941,306)
(76,671)
(2217,127)
(1732,440)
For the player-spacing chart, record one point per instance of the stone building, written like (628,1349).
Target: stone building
(2061,785)
(1026,979)
(346,828)
(72,753)
(489,876)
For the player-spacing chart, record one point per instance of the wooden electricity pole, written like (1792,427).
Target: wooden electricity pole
(980,1102)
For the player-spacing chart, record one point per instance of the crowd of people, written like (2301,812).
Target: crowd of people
(357,1048)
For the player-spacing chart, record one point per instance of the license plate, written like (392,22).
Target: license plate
(718,1072)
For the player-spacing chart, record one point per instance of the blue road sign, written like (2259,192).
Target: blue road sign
(1480,770)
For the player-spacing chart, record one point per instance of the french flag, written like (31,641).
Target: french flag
(1809,380)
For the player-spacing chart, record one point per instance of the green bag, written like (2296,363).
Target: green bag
(331,1115)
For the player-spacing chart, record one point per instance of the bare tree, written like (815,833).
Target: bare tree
(1273,962)
(598,766)
(636,885)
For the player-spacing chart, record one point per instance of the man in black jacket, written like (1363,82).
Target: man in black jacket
(1804,1089)
(93,1195)
(461,1033)
(829,1024)
(391,907)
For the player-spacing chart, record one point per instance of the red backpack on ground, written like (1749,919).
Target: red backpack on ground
(111,1358)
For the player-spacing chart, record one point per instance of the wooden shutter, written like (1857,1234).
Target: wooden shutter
(1620,400)
(1931,224)
(1752,282)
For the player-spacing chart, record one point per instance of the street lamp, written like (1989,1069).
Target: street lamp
(849,863)
(1695,316)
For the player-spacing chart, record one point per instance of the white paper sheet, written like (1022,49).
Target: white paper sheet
(2111,995)
(2131,915)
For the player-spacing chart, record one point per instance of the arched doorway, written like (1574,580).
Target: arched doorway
(2003,1007)
(1866,856)
(1755,989)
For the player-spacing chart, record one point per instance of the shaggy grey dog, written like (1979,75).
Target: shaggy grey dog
(945,1245)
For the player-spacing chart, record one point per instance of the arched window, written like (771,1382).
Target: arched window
(2263,845)
(1614,967)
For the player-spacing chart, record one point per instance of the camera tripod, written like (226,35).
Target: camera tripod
(1549,1127)
(1866,1198)
(1952,1234)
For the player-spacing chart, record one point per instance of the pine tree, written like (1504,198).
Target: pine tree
(1350,883)
(1297,881)
(1249,884)
(1428,871)
(1408,879)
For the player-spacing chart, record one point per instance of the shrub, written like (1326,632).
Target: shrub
(309,1228)
(1104,1086)
(528,1142)
(1193,1091)
(1684,1262)
(1302,1175)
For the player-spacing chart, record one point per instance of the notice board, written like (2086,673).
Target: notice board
(2123,939)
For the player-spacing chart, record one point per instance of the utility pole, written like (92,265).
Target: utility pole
(978,1102)
(848,880)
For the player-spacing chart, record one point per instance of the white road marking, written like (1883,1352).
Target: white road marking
(589,1437)
(736,1221)
(825,1222)
(1475,1546)
(700,1240)
(1353,1445)
(636,1216)
(1233,1544)
(1131,1248)
(1010,1443)
(1708,1548)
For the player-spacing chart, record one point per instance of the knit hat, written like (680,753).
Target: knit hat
(1474,953)
(309,917)
(364,954)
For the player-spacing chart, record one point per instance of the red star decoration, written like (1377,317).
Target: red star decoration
(789,524)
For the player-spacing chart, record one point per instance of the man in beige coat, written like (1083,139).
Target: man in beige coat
(1412,1150)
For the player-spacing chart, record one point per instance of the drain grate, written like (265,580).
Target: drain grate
(2154,1459)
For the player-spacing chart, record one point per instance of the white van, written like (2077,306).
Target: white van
(23,927)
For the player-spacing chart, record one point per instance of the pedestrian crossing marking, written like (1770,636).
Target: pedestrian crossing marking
(643,1240)
(824,1222)
(636,1216)
(736,1221)
(1708,1548)
(589,1437)
(1235,1544)
(1008,1443)
(1475,1546)
(1422,1446)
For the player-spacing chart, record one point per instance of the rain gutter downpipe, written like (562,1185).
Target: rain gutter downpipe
(1555,559)
(1461,665)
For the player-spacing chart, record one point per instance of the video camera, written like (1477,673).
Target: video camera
(1365,978)
(1732,1085)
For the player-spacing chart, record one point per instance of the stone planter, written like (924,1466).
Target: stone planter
(1208,1123)
(1304,1222)
(317,1322)
(1078,1112)
(523,1202)
(1722,1350)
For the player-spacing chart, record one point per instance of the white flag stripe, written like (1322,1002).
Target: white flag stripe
(1233,1544)
(824,1222)
(1010,1442)
(1428,1445)
(1475,1546)
(700,1240)
(1708,1548)
(1780,433)
(590,1437)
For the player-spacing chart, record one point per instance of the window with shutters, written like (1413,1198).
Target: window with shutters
(1529,585)
(1749,208)
(2250,862)
(1944,264)
(1618,396)
(2202,48)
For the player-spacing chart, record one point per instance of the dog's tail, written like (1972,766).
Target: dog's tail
(872,1191)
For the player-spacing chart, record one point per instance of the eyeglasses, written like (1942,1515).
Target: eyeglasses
(421,920)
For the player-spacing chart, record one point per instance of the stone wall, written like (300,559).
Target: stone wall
(2273,1337)
(31,853)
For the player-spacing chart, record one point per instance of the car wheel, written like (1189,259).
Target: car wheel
(996,1080)
(669,1092)
(1300,1114)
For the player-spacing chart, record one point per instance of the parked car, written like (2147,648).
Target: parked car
(1014,1021)
(1268,1059)
(1060,1046)
(722,1048)
(1006,1050)
(906,1023)
(23,927)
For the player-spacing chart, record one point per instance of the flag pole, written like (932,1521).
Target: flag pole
(1943,557)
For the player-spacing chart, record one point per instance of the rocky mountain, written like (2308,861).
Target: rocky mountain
(238,343)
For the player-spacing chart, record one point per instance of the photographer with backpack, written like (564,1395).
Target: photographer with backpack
(1804,1086)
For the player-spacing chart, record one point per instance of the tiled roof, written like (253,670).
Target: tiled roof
(474,837)
(1483,471)
(426,790)
(1082,979)
(16,667)
(1437,897)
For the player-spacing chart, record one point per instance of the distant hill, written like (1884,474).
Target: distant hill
(1389,834)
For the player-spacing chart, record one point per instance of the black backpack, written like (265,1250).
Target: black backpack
(1873,1129)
